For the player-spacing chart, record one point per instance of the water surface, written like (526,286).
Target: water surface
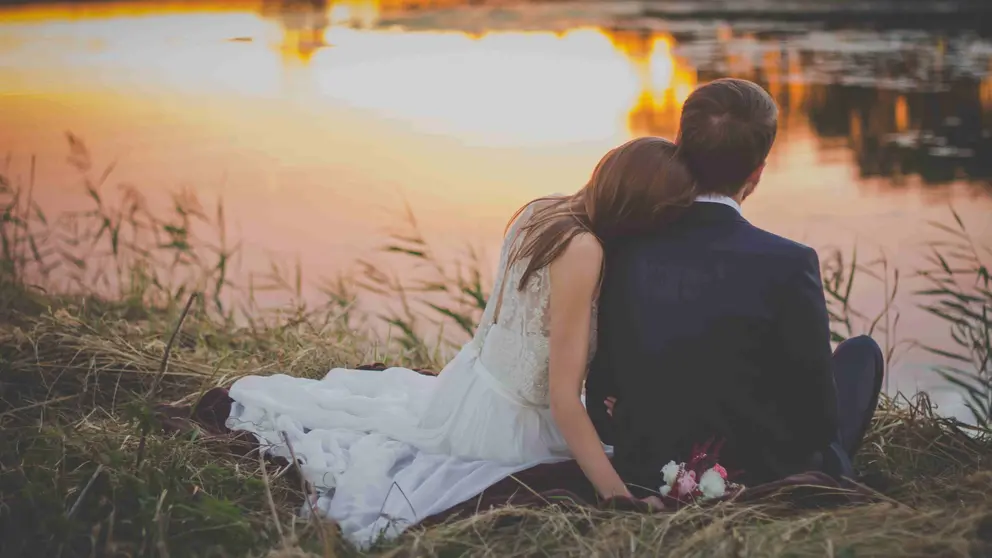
(317,122)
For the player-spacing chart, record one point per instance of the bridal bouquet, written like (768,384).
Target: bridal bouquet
(701,478)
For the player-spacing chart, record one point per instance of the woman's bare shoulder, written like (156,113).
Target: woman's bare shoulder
(585,250)
(576,271)
(581,260)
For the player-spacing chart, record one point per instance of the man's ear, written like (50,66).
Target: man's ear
(756,175)
(753,179)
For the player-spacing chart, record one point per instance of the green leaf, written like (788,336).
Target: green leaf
(466,323)
(958,219)
(947,229)
(408,251)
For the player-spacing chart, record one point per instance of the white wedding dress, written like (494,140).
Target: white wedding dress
(388,449)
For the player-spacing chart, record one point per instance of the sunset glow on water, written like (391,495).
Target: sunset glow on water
(317,125)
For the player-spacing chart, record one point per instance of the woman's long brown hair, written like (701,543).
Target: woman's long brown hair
(635,187)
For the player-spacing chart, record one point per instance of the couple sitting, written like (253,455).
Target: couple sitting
(630,321)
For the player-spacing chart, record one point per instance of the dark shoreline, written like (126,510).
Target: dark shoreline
(694,8)
(907,14)
(835,14)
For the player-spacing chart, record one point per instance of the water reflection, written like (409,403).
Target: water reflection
(307,24)
(902,115)
(314,119)
(303,23)
(664,80)
(939,136)
(903,112)
(910,108)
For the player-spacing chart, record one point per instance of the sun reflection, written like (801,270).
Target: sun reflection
(355,13)
(856,136)
(797,85)
(902,114)
(582,84)
(985,90)
(771,65)
(303,23)
(503,87)
(664,81)
(661,65)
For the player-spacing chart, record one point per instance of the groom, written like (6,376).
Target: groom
(712,328)
(715,329)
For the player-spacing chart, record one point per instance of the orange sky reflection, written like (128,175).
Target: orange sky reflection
(310,124)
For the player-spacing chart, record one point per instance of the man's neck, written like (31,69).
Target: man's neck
(720,198)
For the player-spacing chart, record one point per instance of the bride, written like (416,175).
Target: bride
(388,448)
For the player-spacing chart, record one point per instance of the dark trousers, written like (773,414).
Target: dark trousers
(858,366)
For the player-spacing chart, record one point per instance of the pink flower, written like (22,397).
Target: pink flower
(719,469)
(687,484)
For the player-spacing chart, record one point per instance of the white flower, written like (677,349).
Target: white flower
(664,490)
(670,472)
(712,485)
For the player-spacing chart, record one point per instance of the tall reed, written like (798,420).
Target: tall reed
(125,250)
(93,338)
(959,292)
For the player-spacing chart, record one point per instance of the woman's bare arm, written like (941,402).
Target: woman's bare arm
(574,280)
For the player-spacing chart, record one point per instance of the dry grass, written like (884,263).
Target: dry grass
(76,372)
(933,480)
(85,472)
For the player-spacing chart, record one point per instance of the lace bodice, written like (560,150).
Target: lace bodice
(515,350)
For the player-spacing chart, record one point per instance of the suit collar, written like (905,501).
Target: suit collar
(706,211)
(717,198)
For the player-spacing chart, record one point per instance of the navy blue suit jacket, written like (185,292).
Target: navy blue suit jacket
(713,328)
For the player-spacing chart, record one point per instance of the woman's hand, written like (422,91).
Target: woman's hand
(574,283)
(654,502)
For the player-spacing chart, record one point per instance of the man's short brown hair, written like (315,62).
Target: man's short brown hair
(725,133)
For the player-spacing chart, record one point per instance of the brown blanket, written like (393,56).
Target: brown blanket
(563,484)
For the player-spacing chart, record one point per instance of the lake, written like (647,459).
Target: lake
(318,123)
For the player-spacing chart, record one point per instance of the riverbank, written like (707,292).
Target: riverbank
(86,468)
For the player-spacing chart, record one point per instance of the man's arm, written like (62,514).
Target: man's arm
(804,334)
